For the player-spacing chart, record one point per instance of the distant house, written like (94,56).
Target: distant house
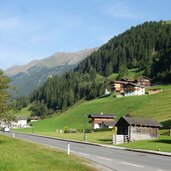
(21,122)
(144,81)
(107,124)
(118,86)
(35,118)
(101,120)
(131,89)
(137,128)
(124,88)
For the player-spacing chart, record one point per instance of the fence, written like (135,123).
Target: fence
(119,139)
(166,132)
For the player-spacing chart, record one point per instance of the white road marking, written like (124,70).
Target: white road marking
(103,158)
(84,154)
(160,170)
(132,164)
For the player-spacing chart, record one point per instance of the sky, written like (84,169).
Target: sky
(35,29)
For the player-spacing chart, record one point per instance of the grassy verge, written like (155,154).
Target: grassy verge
(24,156)
(96,137)
(162,144)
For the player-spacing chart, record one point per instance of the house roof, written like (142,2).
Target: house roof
(142,121)
(119,82)
(136,85)
(21,118)
(145,77)
(110,123)
(35,117)
(101,116)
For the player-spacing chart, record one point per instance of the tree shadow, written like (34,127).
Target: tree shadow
(2,141)
(107,140)
(162,141)
(166,124)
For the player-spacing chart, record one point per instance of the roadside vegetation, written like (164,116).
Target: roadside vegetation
(162,144)
(25,156)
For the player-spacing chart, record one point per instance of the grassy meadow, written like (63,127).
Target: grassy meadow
(17,155)
(162,144)
(157,106)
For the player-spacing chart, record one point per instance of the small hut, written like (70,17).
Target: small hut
(138,128)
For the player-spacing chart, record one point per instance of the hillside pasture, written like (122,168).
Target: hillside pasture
(157,106)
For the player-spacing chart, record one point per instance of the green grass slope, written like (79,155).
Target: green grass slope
(156,106)
(23,112)
(18,155)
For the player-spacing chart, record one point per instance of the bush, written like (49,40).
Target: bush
(66,129)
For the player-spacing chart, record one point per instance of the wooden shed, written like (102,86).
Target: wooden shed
(138,128)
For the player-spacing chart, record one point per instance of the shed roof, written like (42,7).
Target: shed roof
(101,116)
(110,123)
(142,121)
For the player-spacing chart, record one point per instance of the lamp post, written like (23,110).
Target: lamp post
(84,127)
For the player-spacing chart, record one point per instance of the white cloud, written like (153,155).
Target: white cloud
(121,9)
(9,23)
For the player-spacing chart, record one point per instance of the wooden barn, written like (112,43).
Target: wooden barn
(102,120)
(138,128)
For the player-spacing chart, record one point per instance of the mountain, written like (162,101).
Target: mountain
(30,76)
(146,47)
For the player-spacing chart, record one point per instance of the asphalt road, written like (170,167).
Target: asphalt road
(107,158)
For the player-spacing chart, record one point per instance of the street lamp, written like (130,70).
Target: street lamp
(84,127)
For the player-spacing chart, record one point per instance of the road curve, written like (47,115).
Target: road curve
(108,158)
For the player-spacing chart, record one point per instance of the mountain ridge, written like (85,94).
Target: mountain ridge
(51,61)
(29,76)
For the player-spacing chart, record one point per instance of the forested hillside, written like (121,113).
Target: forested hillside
(146,47)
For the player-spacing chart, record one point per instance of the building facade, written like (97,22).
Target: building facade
(138,128)
(101,120)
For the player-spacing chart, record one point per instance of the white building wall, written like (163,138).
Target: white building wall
(96,126)
(22,123)
(139,92)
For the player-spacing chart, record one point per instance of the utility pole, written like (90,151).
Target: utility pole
(33,127)
(84,127)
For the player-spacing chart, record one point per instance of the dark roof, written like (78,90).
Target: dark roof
(142,121)
(119,82)
(110,123)
(136,85)
(145,77)
(101,116)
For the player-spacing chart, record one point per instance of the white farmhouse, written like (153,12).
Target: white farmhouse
(21,122)
(131,89)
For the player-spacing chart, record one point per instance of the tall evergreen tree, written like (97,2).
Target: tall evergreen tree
(4,85)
